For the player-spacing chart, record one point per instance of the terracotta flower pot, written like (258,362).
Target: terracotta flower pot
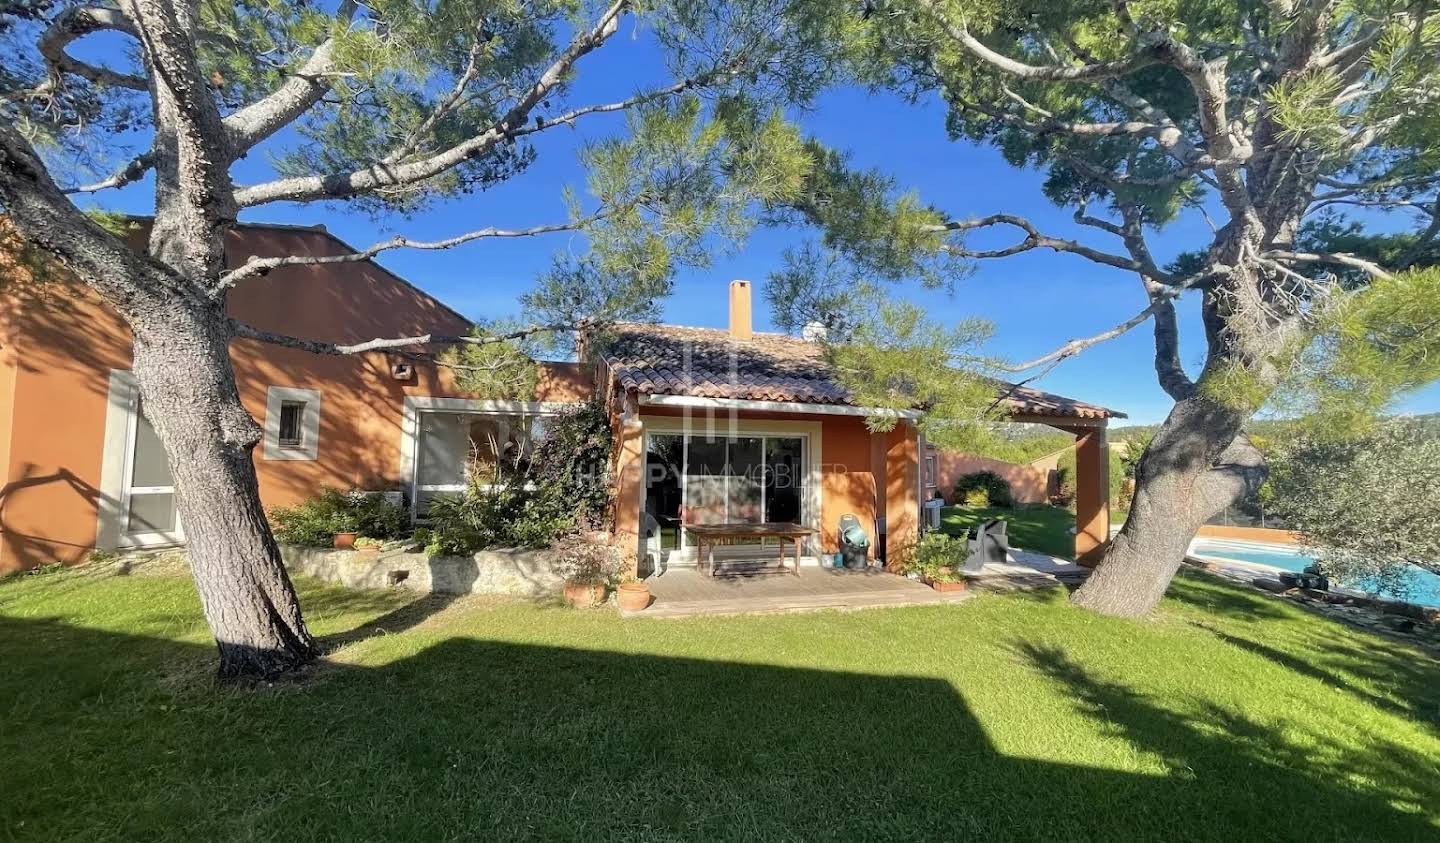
(345,541)
(583,595)
(942,585)
(633,596)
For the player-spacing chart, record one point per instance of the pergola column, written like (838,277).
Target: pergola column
(629,480)
(1092,495)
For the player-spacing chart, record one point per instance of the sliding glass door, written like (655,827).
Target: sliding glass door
(697,479)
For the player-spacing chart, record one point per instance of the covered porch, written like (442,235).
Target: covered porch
(719,429)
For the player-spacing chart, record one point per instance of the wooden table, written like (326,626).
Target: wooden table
(720,534)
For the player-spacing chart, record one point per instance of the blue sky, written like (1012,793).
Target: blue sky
(1035,300)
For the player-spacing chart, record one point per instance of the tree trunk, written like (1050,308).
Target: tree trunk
(182,365)
(1198,463)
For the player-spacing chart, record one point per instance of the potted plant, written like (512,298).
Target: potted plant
(934,559)
(345,527)
(633,595)
(587,566)
(944,579)
(365,544)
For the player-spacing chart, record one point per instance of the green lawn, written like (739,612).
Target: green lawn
(1228,716)
(1043,528)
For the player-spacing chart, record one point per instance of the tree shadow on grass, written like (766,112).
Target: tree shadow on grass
(393,622)
(1407,676)
(488,740)
(1381,672)
(1244,768)
(1216,596)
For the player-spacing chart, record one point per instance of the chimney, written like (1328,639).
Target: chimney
(740,311)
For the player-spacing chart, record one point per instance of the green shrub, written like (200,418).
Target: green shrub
(1066,474)
(982,489)
(1064,485)
(478,518)
(936,556)
(316,521)
(565,482)
(571,466)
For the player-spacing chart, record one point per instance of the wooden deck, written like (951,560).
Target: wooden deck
(682,592)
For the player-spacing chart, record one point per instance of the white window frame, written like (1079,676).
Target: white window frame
(145,538)
(117,468)
(416,406)
(931,467)
(309,447)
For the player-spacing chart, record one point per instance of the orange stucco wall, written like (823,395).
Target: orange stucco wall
(8,362)
(1254,534)
(64,345)
(68,342)
(1028,483)
(902,491)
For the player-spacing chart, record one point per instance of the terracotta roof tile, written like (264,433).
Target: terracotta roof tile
(707,363)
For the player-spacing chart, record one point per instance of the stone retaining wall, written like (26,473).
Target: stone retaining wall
(499,571)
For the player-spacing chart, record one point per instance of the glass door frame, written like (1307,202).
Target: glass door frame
(144,538)
(691,426)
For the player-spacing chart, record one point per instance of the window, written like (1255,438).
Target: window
(292,424)
(930,471)
(458,448)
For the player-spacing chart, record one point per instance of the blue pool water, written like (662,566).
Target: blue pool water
(1424,587)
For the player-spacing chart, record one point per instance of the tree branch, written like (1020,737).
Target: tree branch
(1334,258)
(1380,184)
(127,279)
(1150,53)
(380,175)
(1035,240)
(569,117)
(132,171)
(1074,347)
(261,266)
(448,102)
(301,90)
(249,332)
(74,23)
(1417,249)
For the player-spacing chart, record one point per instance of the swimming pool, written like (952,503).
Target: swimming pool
(1424,587)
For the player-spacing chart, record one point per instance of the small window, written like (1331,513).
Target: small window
(292,424)
(929,471)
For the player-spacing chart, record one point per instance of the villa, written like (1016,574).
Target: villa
(712,425)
